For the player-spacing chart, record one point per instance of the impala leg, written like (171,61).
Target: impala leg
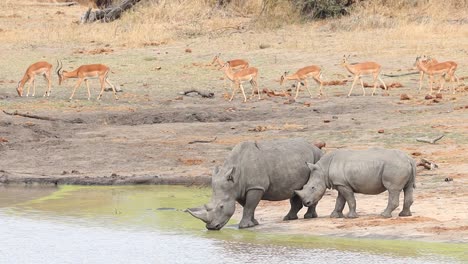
(255,86)
(234,91)
(29,85)
(101,80)
(352,86)
(442,82)
(421,76)
(78,84)
(383,83)
(318,80)
(87,86)
(375,83)
(306,84)
(49,84)
(113,88)
(297,89)
(243,92)
(362,85)
(34,87)
(431,81)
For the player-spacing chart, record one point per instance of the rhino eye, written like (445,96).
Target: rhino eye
(313,188)
(221,206)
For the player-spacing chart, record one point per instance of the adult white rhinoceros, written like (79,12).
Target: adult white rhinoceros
(369,171)
(254,171)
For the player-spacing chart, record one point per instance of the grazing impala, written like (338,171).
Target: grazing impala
(245,75)
(85,72)
(301,76)
(443,69)
(236,65)
(39,68)
(361,69)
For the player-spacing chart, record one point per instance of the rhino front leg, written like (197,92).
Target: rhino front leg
(311,212)
(252,199)
(348,195)
(296,205)
(339,206)
(393,201)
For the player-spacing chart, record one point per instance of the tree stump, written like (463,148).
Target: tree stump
(108,14)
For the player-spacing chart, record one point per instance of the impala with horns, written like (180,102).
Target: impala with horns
(426,62)
(245,75)
(39,68)
(443,69)
(362,69)
(85,72)
(302,75)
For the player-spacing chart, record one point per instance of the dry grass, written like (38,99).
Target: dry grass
(23,22)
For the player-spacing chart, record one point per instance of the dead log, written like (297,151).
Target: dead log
(202,94)
(30,116)
(108,14)
(430,141)
(203,141)
(428,165)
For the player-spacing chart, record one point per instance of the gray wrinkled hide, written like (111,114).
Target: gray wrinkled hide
(254,171)
(371,171)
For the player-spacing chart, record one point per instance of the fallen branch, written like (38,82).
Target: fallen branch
(203,141)
(56,4)
(31,116)
(428,165)
(430,141)
(202,94)
(399,75)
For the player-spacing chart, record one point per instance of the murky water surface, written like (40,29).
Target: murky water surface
(147,224)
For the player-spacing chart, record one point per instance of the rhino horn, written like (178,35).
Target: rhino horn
(200,213)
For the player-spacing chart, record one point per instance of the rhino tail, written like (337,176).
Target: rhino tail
(412,180)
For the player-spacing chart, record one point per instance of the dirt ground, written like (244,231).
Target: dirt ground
(146,136)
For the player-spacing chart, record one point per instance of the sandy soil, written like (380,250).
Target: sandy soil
(144,138)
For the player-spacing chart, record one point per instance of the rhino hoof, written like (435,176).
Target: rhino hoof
(352,215)
(385,215)
(312,215)
(288,217)
(336,215)
(403,213)
(246,224)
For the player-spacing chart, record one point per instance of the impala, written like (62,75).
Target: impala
(85,72)
(443,69)
(426,62)
(245,75)
(302,75)
(361,69)
(39,68)
(236,65)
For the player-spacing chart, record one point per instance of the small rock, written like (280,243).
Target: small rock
(416,153)
(290,101)
(428,97)
(187,50)
(320,144)
(179,98)
(326,121)
(114,174)
(439,96)
(75,172)
(307,104)
(448,179)
(264,46)
(3,140)
(404,97)
(380,131)
(436,101)
(64,172)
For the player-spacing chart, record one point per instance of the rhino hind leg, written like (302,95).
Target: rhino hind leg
(348,195)
(296,206)
(393,202)
(339,206)
(408,191)
(252,199)
(311,212)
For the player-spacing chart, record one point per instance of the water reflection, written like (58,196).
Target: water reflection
(146,224)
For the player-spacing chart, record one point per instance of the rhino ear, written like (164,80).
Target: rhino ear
(229,174)
(216,170)
(312,166)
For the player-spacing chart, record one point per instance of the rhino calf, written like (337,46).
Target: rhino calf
(369,171)
(254,171)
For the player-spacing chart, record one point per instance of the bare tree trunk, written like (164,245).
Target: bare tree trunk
(108,14)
